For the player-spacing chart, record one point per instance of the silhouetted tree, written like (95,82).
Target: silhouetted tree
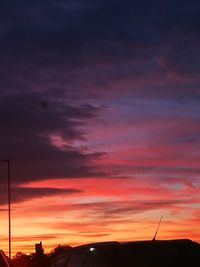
(21,260)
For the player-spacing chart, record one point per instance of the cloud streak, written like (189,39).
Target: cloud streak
(21,194)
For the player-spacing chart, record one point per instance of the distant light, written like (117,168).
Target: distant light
(92,249)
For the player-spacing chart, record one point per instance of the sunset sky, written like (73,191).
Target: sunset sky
(100,118)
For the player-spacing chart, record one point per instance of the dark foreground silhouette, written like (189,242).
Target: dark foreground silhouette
(172,253)
(155,253)
(33,260)
(3,259)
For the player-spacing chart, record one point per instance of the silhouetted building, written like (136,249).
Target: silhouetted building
(38,249)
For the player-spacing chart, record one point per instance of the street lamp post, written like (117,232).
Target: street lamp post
(9,205)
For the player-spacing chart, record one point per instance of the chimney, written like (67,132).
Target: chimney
(38,249)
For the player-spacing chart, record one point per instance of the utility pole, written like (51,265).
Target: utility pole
(9,204)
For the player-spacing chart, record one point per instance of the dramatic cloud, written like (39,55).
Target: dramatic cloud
(39,139)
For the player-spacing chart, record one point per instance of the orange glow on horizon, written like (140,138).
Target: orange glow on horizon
(103,210)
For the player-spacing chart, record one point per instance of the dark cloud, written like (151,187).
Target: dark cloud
(93,235)
(190,138)
(75,46)
(3,210)
(25,112)
(157,171)
(33,238)
(72,52)
(110,18)
(21,194)
(40,141)
(119,209)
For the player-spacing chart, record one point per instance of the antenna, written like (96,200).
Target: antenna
(154,238)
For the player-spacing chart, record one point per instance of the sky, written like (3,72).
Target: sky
(99,117)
